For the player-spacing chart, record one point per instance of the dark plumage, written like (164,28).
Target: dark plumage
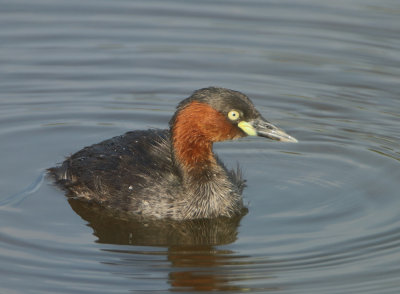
(170,173)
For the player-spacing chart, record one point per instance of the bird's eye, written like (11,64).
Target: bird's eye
(233,115)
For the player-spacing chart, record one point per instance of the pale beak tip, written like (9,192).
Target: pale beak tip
(290,139)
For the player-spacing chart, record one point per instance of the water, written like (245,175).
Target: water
(323,214)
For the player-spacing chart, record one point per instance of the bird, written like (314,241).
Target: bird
(171,173)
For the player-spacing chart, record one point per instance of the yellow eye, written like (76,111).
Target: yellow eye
(233,115)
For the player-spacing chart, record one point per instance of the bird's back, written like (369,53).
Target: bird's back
(122,171)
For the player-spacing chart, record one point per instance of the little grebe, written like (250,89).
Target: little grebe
(171,173)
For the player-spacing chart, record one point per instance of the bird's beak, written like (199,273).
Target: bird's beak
(262,128)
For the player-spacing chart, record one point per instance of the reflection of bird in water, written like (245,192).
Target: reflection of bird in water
(171,173)
(195,263)
(201,268)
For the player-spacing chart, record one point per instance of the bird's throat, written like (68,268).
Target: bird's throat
(193,151)
(191,143)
